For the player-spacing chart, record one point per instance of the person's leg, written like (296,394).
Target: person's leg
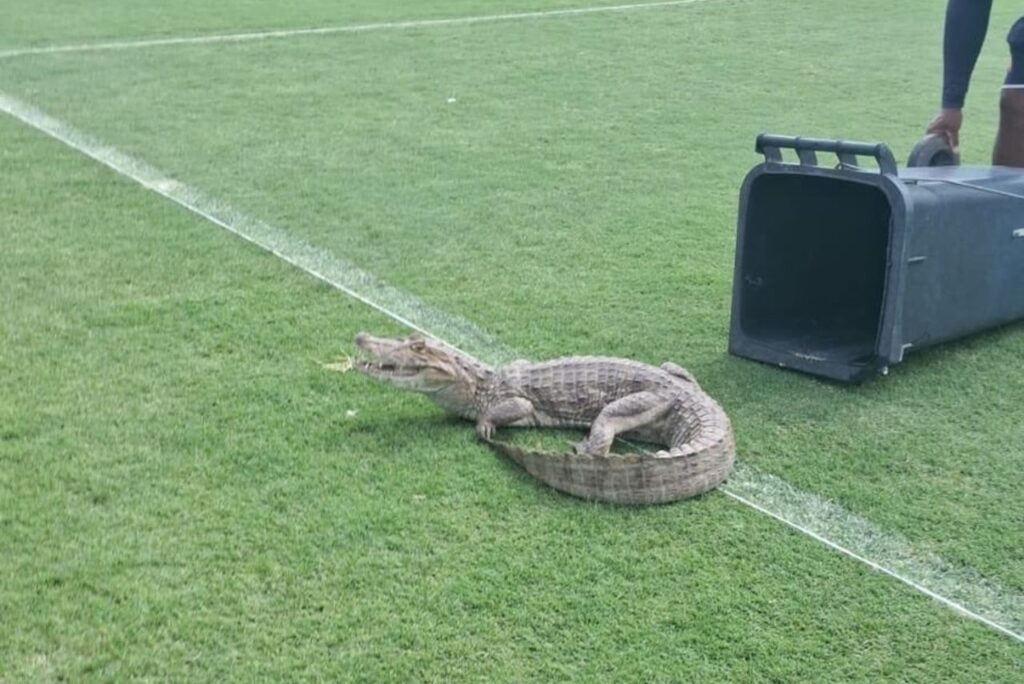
(1009,148)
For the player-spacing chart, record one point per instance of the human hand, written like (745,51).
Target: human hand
(947,123)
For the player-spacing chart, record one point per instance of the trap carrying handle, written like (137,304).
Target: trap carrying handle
(771,147)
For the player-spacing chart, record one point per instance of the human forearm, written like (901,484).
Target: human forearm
(966,26)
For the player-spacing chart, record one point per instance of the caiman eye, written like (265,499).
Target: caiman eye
(418,345)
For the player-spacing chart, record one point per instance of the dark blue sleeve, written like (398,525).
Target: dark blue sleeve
(966,26)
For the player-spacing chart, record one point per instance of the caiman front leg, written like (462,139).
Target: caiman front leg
(623,415)
(504,412)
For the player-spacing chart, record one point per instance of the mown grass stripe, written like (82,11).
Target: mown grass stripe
(959,588)
(339,273)
(331,30)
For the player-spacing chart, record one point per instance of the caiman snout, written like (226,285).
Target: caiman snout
(375,346)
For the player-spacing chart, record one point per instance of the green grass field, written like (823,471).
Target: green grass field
(186,494)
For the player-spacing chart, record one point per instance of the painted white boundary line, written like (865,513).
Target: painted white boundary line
(329,30)
(956,587)
(353,281)
(994,606)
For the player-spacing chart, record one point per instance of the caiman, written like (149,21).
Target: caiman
(610,396)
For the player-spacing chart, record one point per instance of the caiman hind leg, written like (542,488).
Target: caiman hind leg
(625,414)
(505,412)
(678,371)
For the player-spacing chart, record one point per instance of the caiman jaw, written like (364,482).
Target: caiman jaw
(383,370)
(409,363)
(449,377)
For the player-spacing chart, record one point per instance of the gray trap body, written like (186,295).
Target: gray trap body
(842,270)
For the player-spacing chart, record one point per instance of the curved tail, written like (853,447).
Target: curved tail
(691,468)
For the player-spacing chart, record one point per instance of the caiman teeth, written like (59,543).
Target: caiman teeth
(378,366)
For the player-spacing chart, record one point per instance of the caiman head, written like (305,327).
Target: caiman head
(420,364)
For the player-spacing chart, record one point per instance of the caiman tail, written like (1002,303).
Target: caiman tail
(698,463)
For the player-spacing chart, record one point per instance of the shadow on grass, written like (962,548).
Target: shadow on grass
(974,359)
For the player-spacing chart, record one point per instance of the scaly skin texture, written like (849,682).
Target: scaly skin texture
(663,405)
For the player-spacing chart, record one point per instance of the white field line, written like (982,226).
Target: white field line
(353,281)
(330,30)
(959,588)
